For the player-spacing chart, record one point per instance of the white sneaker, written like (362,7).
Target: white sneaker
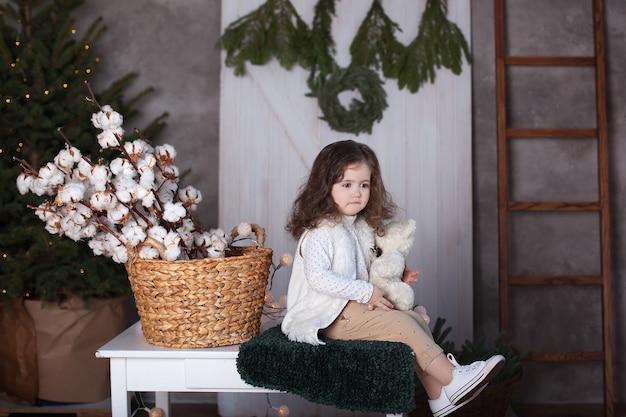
(442,406)
(467,379)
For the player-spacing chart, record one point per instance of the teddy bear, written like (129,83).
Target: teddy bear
(394,241)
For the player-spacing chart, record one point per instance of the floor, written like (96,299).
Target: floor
(142,407)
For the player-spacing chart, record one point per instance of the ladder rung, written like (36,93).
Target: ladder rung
(553,206)
(555,280)
(568,61)
(565,356)
(551,133)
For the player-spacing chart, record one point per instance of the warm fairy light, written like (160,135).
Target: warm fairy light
(12,64)
(76,71)
(86,47)
(8,100)
(27,95)
(46,92)
(17,43)
(4,255)
(64,85)
(73,31)
(88,70)
(82,271)
(97,59)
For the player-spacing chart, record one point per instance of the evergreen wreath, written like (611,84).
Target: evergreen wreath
(275,30)
(360,115)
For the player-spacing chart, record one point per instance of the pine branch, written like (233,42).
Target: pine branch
(375,44)
(274,30)
(58,48)
(439,42)
(322,44)
(94,32)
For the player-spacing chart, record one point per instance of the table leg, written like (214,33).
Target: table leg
(162,400)
(120,406)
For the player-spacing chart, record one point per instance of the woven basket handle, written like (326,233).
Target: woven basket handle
(259,232)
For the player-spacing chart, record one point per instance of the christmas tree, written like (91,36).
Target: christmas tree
(45,64)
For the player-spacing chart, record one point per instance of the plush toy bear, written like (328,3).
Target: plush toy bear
(394,241)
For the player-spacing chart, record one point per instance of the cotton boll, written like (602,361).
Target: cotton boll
(147,179)
(173,212)
(158,233)
(148,252)
(214,252)
(108,139)
(99,177)
(119,254)
(51,176)
(133,233)
(172,250)
(137,148)
(97,244)
(166,191)
(165,154)
(107,118)
(186,232)
(66,158)
(70,193)
(24,183)
(203,239)
(171,173)
(118,214)
(82,171)
(88,231)
(103,200)
(190,197)
(46,211)
(122,167)
(70,228)
(148,200)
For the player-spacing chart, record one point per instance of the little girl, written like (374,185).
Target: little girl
(334,218)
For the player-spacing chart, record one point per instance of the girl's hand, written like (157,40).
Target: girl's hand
(409,276)
(378,300)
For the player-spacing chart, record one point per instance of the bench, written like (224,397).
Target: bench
(137,366)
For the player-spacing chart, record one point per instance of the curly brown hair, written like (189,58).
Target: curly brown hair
(315,203)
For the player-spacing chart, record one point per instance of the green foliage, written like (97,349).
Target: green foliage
(439,42)
(479,350)
(375,44)
(275,30)
(44,67)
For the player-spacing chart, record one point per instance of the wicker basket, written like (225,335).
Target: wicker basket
(205,302)
(492,402)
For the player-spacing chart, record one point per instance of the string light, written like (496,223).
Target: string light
(281,411)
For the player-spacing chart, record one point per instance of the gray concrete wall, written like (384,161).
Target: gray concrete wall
(171,44)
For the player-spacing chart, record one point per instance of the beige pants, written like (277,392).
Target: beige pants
(357,322)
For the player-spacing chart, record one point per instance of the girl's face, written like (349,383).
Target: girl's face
(352,192)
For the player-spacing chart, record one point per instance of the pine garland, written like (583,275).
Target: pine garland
(276,30)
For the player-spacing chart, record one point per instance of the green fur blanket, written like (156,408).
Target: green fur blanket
(355,375)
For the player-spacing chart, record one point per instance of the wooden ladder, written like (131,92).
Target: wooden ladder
(507,207)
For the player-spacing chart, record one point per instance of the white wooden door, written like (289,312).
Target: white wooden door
(270,132)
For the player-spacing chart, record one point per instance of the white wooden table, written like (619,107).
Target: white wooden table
(137,366)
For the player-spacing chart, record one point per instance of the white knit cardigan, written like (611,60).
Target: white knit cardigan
(309,310)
